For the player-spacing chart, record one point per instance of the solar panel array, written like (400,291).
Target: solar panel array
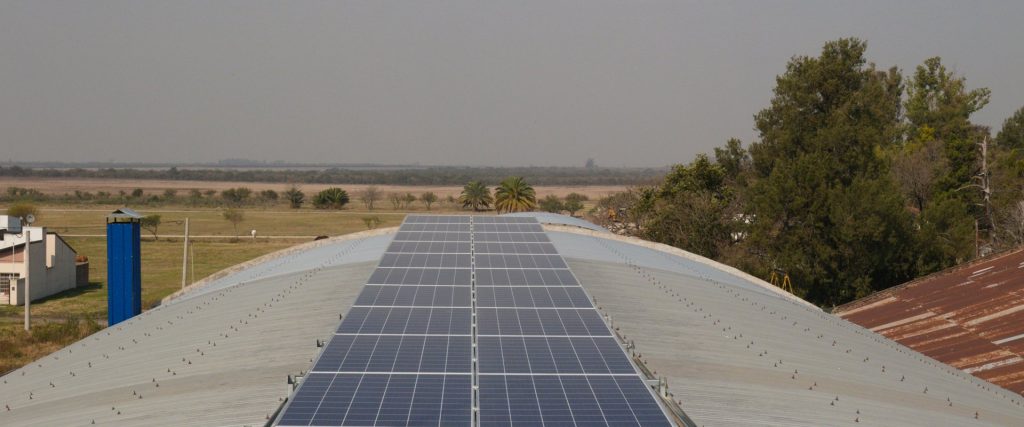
(472,321)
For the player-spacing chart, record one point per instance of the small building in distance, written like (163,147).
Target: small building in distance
(52,263)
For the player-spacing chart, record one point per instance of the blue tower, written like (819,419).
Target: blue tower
(124,266)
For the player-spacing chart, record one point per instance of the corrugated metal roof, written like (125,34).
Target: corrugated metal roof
(734,352)
(737,356)
(559,219)
(971,317)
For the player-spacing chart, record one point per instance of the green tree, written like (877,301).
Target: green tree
(574,203)
(408,199)
(268,196)
(514,195)
(1011,136)
(428,199)
(23,210)
(236,196)
(940,106)
(693,208)
(551,203)
(170,194)
(235,217)
(822,200)
(152,224)
(137,193)
(331,198)
(476,195)
(295,197)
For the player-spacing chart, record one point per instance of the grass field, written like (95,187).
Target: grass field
(69,316)
(66,317)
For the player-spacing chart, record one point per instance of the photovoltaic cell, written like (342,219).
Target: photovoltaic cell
(552,355)
(526,261)
(511,237)
(404,320)
(544,321)
(381,400)
(520,277)
(532,296)
(426,260)
(507,228)
(421,276)
(404,354)
(514,248)
(424,296)
(431,247)
(431,236)
(396,354)
(571,400)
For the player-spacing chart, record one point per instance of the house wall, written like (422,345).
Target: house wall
(52,264)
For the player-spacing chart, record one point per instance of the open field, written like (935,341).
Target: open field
(65,185)
(64,318)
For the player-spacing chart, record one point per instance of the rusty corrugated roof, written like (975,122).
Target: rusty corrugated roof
(970,317)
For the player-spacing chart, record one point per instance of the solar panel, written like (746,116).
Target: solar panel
(552,355)
(421,276)
(408,296)
(381,399)
(472,321)
(396,354)
(532,400)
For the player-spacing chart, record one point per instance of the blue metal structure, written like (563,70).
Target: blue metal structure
(124,266)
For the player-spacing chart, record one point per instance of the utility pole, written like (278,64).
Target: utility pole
(184,258)
(28,278)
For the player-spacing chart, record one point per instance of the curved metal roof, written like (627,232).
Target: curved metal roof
(559,219)
(734,352)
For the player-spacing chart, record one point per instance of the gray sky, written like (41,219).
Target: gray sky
(542,82)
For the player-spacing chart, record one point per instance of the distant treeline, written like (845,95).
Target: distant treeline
(439,175)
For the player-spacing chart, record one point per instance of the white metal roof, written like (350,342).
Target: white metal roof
(221,352)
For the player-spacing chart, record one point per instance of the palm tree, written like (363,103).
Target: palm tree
(476,195)
(514,195)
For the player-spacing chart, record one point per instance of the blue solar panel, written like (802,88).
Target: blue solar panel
(545,321)
(424,296)
(526,261)
(532,296)
(510,237)
(404,320)
(396,353)
(432,236)
(574,400)
(426,260)
(552,355)
(523,277)
(431,247)
(407,352)
(381,400)
(421,276)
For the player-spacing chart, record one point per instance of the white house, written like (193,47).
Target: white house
(52,264)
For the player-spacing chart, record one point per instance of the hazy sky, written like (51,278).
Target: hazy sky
(629,83)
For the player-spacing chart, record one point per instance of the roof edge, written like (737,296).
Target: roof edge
(275,255)
(885,293)
(672,250)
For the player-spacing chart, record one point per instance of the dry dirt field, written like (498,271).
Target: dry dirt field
(62,185)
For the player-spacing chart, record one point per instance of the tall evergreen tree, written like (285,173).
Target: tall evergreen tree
(822,196)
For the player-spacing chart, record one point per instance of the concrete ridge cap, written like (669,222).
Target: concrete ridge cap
(672,250)
(275,255)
